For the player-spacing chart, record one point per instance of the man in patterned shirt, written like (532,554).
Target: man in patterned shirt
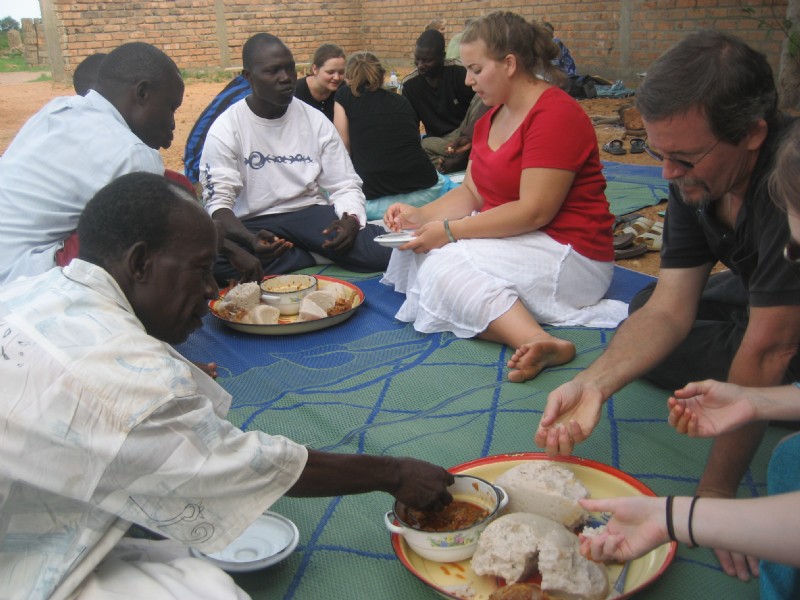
(105,425)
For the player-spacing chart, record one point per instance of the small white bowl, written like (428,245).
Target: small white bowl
(460,544)
(286,292)
(268,540)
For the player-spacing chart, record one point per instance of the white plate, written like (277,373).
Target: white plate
(270,539)
(394,240)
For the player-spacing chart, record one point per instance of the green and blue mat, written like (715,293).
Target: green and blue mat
(374,385)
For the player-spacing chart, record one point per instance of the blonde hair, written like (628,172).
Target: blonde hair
(364,71)
(506,33)
(784,179)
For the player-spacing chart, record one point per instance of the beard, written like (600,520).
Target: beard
(700,194)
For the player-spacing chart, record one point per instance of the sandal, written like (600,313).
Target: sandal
(623,240)
(639,226)
(652,239)
(631,251)
(637,145)
(614,147)
(625,219)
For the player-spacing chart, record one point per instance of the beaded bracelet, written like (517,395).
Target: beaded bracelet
(670,530)
(691,514)
(449,233)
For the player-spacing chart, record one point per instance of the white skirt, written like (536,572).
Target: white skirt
(463,287)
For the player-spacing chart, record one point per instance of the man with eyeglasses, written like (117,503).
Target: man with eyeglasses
(710,109)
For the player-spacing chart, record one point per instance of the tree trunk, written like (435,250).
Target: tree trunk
(789,74)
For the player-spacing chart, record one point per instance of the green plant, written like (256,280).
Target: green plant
(7,23)
(777,23)
(12,63)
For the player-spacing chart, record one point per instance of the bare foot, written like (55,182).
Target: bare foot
(529,359)
(209,369)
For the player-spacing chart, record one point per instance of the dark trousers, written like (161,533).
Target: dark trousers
(304,229)
(709,349)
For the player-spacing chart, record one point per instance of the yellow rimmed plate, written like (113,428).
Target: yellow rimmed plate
(452,580)
(288,324)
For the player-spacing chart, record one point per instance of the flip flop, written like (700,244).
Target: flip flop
(637,145)
(614,147)
(631,251)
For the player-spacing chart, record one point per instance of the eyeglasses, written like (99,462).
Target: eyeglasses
(791,252)
(684,164)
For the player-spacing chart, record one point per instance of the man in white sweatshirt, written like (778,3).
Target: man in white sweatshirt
(276,174)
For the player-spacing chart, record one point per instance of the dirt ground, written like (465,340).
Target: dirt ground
(20,98)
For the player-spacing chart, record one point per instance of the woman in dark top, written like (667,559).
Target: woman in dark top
(327,74)
(380,130)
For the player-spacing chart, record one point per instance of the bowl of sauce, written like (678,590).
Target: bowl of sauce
(449,535)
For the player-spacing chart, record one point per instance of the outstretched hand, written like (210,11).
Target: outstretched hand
(637,525)
(709,408)
(570,415)
(344,232)
(266,244)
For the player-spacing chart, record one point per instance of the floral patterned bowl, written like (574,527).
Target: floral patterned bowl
(458,544)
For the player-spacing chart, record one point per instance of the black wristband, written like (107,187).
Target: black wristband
(691,514)
(670,529)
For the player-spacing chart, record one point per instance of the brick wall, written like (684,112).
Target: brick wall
(613,39)
(33,43)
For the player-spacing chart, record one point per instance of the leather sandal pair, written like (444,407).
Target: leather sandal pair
(639,235)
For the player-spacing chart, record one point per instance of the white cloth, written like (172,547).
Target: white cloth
(64,153)
(256,166)
(163,570)
(104,425)
(464,286)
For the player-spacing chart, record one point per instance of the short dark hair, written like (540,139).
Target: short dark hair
(86,73)
(133,62)
(730,82)
(326,52)
(254,43)
(136,207)
(433,39)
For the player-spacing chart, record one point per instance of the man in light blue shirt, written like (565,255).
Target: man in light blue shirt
(75,145)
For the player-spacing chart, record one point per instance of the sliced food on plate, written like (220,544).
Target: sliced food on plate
(531,550)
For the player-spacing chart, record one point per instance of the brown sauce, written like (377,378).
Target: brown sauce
(456,515)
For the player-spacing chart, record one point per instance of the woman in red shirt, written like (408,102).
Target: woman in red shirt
(527,238)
